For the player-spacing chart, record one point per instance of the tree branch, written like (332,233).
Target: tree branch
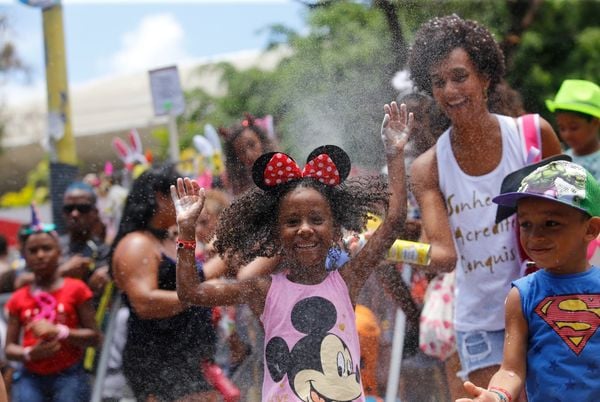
(522,14)
(398,44)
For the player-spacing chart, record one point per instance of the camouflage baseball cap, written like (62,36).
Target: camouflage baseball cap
(562,181)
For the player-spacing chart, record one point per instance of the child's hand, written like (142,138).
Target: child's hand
(480,394)
(44,350)
(76,267)
(396,127)
(188,198)
(44,329)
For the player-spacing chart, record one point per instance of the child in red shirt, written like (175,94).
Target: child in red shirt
(55,317)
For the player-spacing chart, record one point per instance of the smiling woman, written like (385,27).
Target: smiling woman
(458,62)
(166,338)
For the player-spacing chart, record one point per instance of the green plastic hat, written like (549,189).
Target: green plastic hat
(577,95)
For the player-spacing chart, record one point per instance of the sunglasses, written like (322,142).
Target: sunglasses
(82,208)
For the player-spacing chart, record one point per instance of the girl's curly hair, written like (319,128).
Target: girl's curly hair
(437,37)
(248,227)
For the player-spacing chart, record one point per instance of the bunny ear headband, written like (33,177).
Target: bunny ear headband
(264,123)
(130,154)
(327,164)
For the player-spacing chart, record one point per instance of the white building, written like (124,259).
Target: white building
(100,111)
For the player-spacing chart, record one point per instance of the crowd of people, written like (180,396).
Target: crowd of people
(250,291)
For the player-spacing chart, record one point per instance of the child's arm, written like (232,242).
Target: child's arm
(260,266)
(510,378)
(15,351)
(395,130)
(214,267)
(218,267)
(188,198)
(86,335)
(135,268)
(3,396)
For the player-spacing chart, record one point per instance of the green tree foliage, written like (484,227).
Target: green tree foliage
(332,86)
(563,42)
(9,61)
(9,58)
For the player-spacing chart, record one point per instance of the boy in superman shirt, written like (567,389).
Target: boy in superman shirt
(551,346)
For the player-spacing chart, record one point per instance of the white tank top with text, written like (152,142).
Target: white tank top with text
(488,256)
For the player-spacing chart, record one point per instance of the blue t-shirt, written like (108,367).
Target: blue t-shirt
(563,349)
(590,162)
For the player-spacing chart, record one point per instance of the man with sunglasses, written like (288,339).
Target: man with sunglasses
(84,251)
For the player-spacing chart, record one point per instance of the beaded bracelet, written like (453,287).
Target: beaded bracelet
(63,332)
(186,244)
(504,395)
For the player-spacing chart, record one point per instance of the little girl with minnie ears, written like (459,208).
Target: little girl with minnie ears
(311,342)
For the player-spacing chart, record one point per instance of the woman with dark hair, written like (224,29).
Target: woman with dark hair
(166,339)
(243,144)
(459,63)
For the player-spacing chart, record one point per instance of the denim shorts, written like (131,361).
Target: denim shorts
(69,385)
(478,350)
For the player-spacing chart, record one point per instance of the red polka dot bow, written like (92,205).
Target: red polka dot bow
(281,169)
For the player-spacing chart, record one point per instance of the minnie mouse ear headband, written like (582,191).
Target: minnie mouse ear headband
(327,164)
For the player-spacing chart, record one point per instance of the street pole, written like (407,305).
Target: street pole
(63,155)
(168,99)
(173,137)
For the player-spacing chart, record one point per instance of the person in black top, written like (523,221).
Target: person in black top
(166,339)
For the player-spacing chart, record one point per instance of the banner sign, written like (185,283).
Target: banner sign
(167,95)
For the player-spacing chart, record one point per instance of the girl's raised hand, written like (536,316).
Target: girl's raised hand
(188,198)
(396,127)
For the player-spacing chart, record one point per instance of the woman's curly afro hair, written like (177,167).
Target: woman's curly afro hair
(437,37)
(248,227)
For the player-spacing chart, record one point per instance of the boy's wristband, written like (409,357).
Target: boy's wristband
(63,332)
(27,353)
(503,394)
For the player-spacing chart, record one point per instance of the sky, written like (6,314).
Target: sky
(110,37)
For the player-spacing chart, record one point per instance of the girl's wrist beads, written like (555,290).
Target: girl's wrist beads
(503,394)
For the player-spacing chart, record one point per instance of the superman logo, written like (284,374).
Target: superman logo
(574,318)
